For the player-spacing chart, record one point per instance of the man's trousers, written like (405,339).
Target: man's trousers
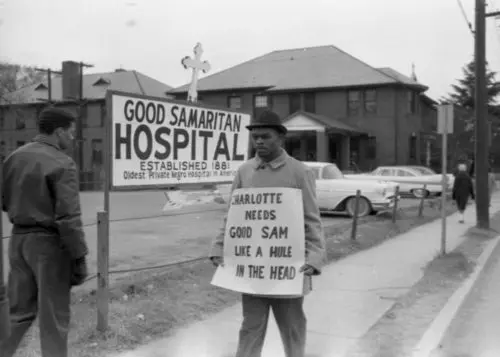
(290,318)
(39,284)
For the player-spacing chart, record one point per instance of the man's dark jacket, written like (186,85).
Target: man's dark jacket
(41,193)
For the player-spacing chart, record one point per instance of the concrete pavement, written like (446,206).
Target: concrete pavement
(348,298)
(473,329)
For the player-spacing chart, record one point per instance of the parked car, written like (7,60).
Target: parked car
(410,179)
(337,194)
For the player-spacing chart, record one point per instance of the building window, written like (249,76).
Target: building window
(353,98)
(97,158)
(234,102)
(371,149)
(412,102)
(20,123)
(82,113)
(38,111)
(413,146)
(294,102)
(103,115)
(310,102)
(261,101)
(371,101)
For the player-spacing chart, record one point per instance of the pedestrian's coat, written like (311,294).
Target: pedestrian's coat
(462,190)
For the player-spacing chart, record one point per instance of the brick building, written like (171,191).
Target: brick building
(19,110)
(336,107)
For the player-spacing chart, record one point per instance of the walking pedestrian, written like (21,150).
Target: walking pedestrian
(273,167)
(462,190)
(472,168)
(47,248)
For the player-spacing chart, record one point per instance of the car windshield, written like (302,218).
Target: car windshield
(332,172)
(423,170)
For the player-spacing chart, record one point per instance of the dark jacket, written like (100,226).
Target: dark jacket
(41,193)
(463,188)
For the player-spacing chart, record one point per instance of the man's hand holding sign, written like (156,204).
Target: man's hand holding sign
(306,268)
(271,241)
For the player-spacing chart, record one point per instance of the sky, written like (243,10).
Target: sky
(152,36)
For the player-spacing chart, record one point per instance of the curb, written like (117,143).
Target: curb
(437,329)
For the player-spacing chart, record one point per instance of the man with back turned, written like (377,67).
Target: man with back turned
(47,249)
(272,167)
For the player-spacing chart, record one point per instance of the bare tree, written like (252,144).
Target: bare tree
(15,77)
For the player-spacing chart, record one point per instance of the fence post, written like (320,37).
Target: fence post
(5,328)
(395,207)
(102,270)
(355,216)
(421,206)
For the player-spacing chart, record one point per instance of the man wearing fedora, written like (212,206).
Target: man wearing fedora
(47,248)
(273,167)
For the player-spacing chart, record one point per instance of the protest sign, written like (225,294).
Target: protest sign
(264,244)
(158,142)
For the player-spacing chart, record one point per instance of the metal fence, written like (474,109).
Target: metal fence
(221,205)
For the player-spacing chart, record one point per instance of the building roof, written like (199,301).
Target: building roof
(399,76)
(300,69)
(95,86)
(329,123)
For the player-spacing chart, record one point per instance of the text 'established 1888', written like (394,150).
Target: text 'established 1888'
(157,142)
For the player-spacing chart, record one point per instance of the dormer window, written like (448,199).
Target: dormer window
(102,82)
(41,86)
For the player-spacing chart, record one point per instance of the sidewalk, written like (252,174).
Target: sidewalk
(348,298)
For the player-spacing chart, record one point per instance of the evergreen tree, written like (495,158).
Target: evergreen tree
(463,95)
(464,91)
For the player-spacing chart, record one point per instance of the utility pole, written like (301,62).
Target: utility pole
(481,132)
(49,80)
(79,123)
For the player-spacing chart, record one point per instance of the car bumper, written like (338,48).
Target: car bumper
(384,204)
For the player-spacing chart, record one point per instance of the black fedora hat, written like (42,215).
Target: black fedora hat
(267,119)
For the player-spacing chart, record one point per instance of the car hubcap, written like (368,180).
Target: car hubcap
(419,193)
(362,207)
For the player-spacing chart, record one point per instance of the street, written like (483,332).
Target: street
(474,331)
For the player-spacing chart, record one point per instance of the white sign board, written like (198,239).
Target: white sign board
(445,116)
(264,244)
(157,142)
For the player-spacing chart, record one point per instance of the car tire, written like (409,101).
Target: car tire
(420,192)
(364,208)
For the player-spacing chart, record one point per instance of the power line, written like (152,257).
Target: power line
(464,14)
(497,32)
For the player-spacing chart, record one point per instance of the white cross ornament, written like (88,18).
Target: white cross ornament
(196,64)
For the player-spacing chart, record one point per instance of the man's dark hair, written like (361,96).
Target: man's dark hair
(52,118)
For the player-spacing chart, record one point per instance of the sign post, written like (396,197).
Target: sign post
(4,301)
(445,127)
